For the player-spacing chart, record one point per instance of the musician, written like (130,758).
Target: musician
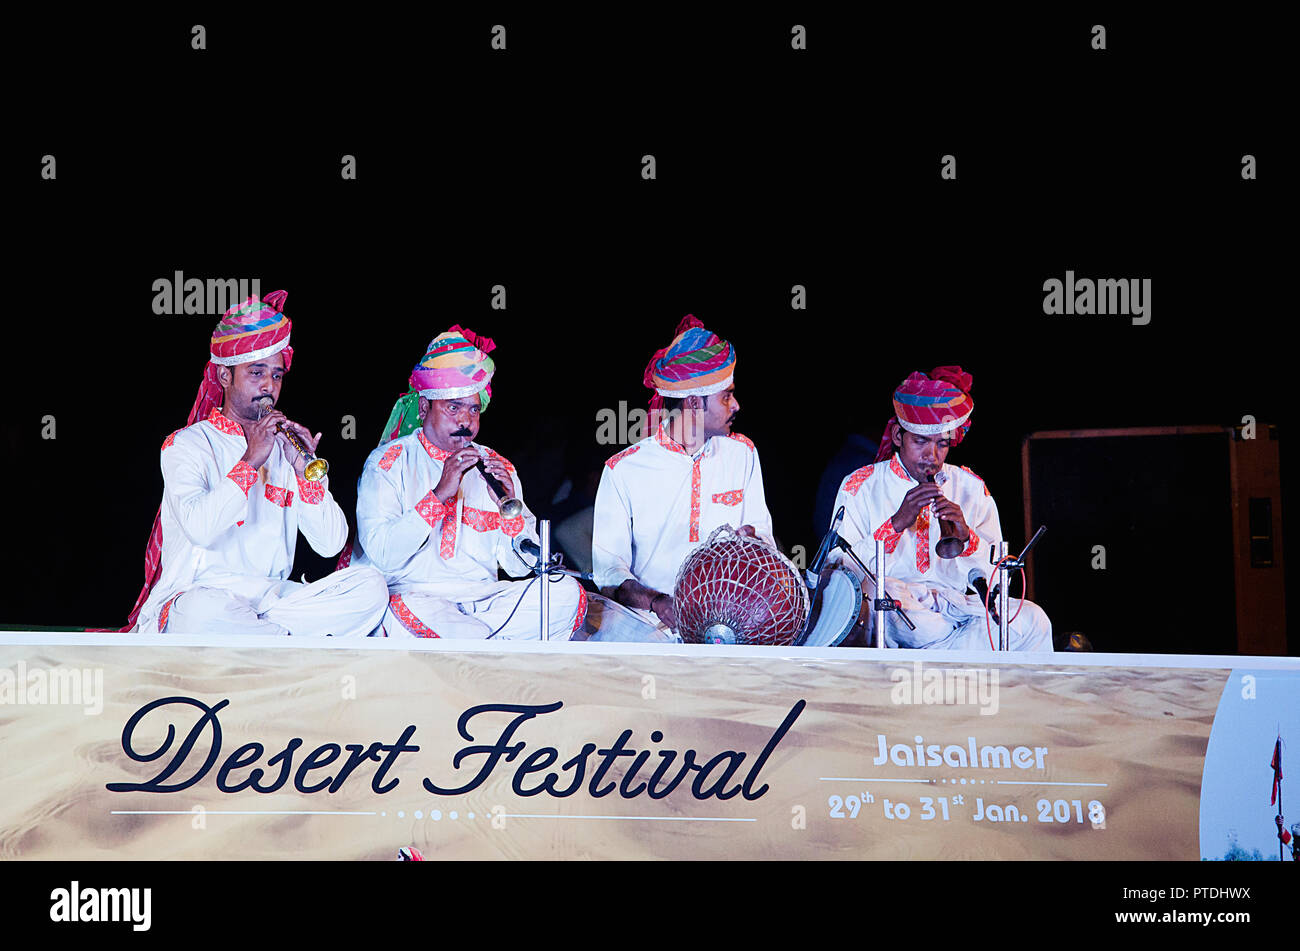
(431,522)
(662,497)
(898,500)
(235,496)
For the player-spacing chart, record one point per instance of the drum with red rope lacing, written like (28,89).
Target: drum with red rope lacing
(734,589)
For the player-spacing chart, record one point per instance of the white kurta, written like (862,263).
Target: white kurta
(440,561)
(931,589)
(228,537)
(656,504)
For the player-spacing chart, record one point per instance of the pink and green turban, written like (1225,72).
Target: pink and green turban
(929,405)
(456,365)
(697,363)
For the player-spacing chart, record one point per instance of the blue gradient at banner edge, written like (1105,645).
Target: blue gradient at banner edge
(1236,778)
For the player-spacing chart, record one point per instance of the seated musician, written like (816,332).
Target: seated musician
(898,501)
(431,523)
(235,496)
(662,497)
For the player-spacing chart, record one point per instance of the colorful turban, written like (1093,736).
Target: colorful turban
(929,405)
(457,364)
(697,363)
(247,332)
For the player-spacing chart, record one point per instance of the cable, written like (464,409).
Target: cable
(987,622)
(512,610)
(553,574)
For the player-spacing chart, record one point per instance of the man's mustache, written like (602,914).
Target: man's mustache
(462,432)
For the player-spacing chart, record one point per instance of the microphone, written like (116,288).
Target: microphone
(813,573)
(530,547)
(975,578)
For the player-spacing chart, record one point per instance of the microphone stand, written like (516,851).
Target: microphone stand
(1004,569)
(544,563)
(547,564)
(883,602)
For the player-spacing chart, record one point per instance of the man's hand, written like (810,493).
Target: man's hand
(950,511)
(453,470)
(665,609)
(497,468)
(748,531)
(909,510)
(636,595)
(261,437)
(291,452)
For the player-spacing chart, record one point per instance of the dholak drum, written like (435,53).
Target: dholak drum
(609,621)
(836,605)
(737,590)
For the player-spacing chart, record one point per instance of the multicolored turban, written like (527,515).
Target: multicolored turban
(249,331)
(697,363)
(457,364)
(929,405)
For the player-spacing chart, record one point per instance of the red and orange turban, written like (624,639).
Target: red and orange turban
(929,405)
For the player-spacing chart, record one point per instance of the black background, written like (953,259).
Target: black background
(775,167)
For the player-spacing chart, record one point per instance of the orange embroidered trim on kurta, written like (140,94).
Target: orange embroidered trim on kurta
(408,618)
(614,460)
(581,614)
(390,456)
(885,533)
(310,492)
(695,501)
(278,496)
(243,475)
(227,426)
(857,478)
(167,610)
(431,509)
(441,455)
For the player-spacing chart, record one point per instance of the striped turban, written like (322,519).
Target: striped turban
(247,332)
(456,364)
(250,331)
(697,363)
(929,405)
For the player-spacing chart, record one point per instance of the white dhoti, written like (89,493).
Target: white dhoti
(504,608)
(947,620)
(346,603)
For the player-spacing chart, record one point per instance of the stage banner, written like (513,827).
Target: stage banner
(161,747)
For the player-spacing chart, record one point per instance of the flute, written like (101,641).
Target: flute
(949,545)
(316,466)
(510,506)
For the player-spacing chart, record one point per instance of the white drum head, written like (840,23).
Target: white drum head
(836,604)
